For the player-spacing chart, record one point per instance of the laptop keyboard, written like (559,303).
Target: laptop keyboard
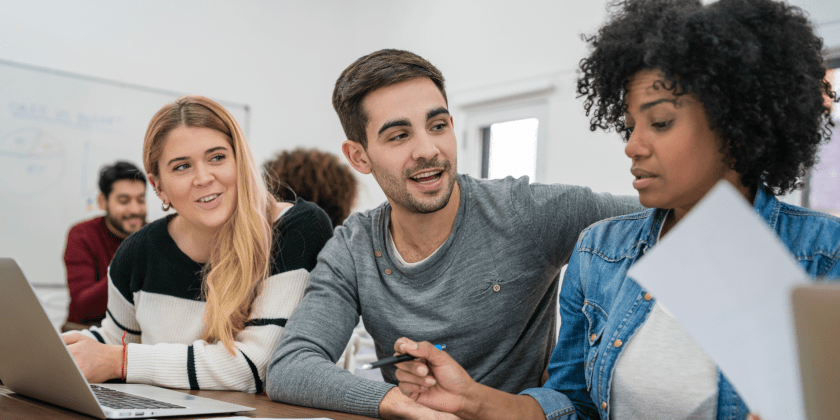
(120,400)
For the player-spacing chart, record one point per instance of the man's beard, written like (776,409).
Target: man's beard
(118,225)
(399,193)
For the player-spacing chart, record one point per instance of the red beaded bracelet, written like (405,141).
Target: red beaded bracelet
(125,347)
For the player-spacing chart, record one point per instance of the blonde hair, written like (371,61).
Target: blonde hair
(240,255)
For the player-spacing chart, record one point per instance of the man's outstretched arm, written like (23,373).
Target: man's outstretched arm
(302,370)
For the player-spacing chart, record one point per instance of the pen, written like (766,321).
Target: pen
(392,360)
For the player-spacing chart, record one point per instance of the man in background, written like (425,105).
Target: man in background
(91,244)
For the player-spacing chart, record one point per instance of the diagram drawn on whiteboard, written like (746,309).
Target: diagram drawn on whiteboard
(31,161)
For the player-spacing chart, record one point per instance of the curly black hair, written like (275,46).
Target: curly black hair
(755,65)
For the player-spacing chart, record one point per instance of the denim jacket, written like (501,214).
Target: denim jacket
(601,308)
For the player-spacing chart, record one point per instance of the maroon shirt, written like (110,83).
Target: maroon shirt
(90,248)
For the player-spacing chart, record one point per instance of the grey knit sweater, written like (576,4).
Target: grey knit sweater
(489,293)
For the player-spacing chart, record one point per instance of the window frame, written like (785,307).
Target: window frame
(480,117)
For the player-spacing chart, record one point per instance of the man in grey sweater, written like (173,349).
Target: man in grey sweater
(473,264)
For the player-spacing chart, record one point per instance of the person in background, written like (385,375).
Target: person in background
(316,176)
(91,244)
(198,299)
(732,90)
(470,263)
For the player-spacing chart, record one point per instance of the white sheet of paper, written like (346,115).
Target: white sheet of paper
(726,277)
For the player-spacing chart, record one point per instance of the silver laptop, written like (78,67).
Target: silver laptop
(816,313)
(35,362)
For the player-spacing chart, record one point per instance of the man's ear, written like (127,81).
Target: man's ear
(101,201)
(356,155)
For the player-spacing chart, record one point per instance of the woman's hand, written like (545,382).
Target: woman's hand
(435,379)
(440,383)
(98,362)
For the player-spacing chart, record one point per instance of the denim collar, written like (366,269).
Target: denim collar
(652,226)
(766,205)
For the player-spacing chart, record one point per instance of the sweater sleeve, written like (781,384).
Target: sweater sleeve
(88,294)
(302,370)
(556,214)
(203,365)
(112,330)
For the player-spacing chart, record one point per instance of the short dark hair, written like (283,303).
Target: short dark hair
(315,176)
(373,71)
(109,174)
(755,65)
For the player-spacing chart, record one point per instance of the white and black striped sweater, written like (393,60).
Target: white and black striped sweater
(154,293)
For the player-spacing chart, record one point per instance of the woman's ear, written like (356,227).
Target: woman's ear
(356,155)
(155,183)
(152,181)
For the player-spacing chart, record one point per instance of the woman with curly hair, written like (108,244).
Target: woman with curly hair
(198,299)
(316,176)
(732,90)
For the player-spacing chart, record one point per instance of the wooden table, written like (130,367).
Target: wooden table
(17,407)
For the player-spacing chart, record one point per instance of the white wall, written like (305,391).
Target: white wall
(282,59)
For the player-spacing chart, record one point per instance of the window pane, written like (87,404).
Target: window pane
(513,149)
(824,183)
(835,110)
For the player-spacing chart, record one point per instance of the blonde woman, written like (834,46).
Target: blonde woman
(198,299)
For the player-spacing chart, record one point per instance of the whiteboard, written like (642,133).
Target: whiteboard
(57,130)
